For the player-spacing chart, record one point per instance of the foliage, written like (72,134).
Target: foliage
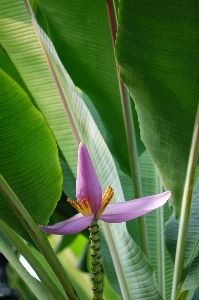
(59,86)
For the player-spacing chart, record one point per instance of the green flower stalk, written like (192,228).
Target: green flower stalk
(96,261)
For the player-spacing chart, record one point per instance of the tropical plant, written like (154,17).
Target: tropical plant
(121,77)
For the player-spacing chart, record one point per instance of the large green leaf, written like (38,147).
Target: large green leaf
(29,162)
(80,32)
(157,50)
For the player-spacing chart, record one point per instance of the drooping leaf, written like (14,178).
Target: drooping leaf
(29,162)
(157,51)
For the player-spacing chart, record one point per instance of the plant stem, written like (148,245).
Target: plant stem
(160,238)
(36,265)
(39,238)
(97,276)
(130,135)
(185,210)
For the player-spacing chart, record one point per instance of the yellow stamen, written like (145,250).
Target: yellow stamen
(82,207)
(108,195)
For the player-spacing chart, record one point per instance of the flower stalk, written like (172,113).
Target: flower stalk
(96,269)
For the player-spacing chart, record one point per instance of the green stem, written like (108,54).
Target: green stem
(185,210)
(130,135)
(39,238)
(160,238)
(36,265)
(97,276)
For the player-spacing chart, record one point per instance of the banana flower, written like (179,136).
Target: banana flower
(91,205)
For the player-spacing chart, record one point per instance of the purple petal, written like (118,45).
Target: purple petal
(125,211)
(87,183)
(73,225)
